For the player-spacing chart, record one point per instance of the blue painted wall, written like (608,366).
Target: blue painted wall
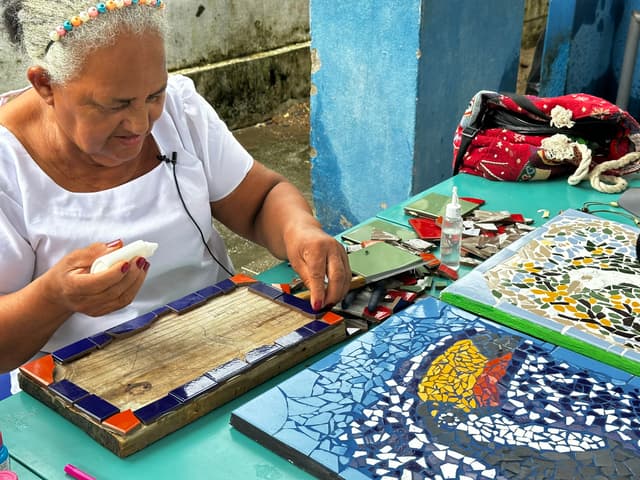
(363,106)
(584,49)
(390,81)
(467,47)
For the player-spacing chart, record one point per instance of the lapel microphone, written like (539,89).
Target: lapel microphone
(172,161)
(164,158)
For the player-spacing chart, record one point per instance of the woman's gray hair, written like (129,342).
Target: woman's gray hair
(30,22)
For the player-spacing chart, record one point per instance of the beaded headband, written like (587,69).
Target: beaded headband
(92,13)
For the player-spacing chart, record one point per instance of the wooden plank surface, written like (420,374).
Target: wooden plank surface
(133,371)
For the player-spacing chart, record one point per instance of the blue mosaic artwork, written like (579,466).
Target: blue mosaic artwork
(436,392)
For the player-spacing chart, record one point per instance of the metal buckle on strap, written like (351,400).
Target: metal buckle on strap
(470,132)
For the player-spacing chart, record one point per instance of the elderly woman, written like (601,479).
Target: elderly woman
(104,148)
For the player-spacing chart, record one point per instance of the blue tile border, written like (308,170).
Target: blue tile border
(100,409)
(96,407)
(68,390)
(74,351)
(194,388)
(154,410)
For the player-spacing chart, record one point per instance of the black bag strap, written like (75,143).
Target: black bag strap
(468,134)
(526,104)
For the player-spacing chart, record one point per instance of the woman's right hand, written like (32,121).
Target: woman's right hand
(71,287)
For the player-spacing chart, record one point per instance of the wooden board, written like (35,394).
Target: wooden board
(177,349)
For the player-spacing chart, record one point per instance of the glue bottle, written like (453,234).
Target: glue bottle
(451,236)
(5,461)
(139,248)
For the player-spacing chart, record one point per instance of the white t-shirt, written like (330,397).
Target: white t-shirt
(40,222)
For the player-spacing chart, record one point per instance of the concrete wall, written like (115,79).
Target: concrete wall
(247,57)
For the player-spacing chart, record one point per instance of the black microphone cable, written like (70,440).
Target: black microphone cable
(173,160)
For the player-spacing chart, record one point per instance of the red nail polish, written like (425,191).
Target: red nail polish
(140,262)
(146,266)
(317,306)
(115,243)
(125,267)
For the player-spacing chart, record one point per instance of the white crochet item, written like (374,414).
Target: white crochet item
(561,117)
(560,148)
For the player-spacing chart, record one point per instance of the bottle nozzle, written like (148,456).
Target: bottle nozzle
(453,208)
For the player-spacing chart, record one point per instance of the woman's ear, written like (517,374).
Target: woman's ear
(39,79)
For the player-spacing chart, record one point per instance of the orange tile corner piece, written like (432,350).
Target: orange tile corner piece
(41,369)
(124,422)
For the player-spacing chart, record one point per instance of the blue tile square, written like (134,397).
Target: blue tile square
(151,412)
(186,303)
(194,388)
(68,390)
(209,292)
(303,306)
(226,286)
(132,326)
(101,339)
(96,407)
(305,332)
(74,350)
(158,312)
(290,339)
(265,290)
(316,326)
(262,353)
(228,370)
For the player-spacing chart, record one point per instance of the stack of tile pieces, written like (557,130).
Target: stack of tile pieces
(393,286)
(488,232)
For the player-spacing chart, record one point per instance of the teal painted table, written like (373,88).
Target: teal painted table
(525,198)
(43,442)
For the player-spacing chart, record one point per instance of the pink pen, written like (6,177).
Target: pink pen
(76,473)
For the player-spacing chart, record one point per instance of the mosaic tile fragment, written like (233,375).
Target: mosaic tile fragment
(262,353)
(68,390)
(154,410)
(41,369)
(290,339)
(242,280)
(265,290)
(96,407)
(209,292)
(123,423)
(226,285)
(331,318)
(316,326)
(192,389)
(186,303)
(228,370)
(133,326)
(303,306)
(73,351)
(101,340)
